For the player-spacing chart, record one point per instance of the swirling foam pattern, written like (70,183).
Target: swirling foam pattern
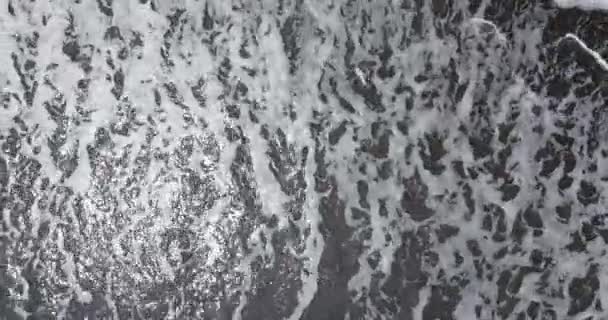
(307,159)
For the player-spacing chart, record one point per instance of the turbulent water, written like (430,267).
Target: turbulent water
(307,159)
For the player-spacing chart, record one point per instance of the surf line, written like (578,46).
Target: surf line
(598,58)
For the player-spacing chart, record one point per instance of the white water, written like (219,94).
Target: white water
(139,226)
(583,4)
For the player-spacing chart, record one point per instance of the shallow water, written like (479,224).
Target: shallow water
(309,159)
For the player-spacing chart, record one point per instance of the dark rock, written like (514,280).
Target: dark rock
(587,193)
(549,166)
(565,182)
(583,290)
(588,231)
(519,229)
(71,49)
(112,32)
(533,309)
(119,83)
(481,146)
(442,302)
(207,19)
(233,111)
(385,171)
(363,189)
(532,218)
(413,199)
(12,145)
(564,212)
(486,223)
(4,173)
(374,259)
(577,244)
(504,130)
(381,149)
(291,35)
(459,168)
(569,161)
(436,151)
(336,134)
(446,231)
(473,247)
(105,6)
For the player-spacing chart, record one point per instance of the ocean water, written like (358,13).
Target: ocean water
(307,159)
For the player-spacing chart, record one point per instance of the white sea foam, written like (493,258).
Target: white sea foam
(154,211)
(583,4)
